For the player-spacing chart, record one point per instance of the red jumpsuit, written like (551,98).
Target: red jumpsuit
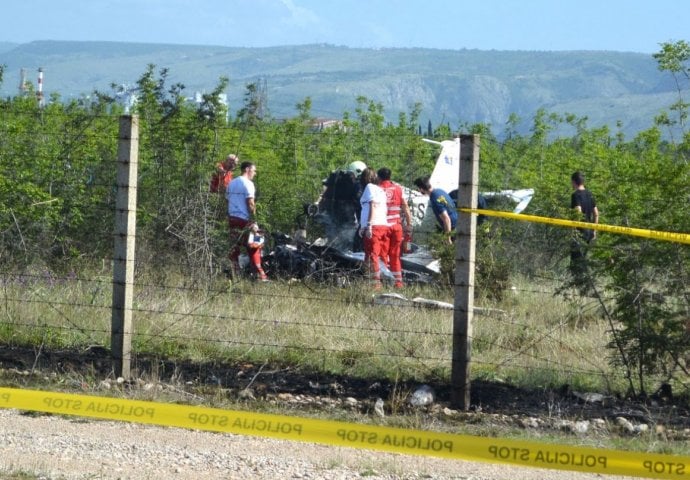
(220,179)
(391,254)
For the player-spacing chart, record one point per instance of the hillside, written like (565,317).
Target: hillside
(454,86)
(5,46)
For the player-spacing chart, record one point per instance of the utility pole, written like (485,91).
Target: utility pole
(464,272)
(262,98)
(22,81)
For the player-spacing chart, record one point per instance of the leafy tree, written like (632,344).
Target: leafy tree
(647,186)
(50,183)
(57,185)
(674,57)
(251,114)
(648,279)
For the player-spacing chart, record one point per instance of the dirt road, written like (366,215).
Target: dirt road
(55,447)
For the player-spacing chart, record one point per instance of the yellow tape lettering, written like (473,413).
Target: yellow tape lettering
(5,397)
(115,409)
(565,458)
(203,419)
(509,453)
(62,403)
(357,436)
(670,468)
(417,443)
(268,426)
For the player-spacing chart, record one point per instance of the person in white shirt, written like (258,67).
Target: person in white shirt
(241,219)
(373,226)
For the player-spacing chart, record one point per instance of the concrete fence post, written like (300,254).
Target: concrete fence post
(464,272)
(124,239)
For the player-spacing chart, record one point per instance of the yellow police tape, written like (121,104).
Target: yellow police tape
(637,232)
(416,442)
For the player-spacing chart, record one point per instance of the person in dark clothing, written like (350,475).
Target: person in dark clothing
(339,207)
(583,202)
(339,198)
(482,205)
(442,205)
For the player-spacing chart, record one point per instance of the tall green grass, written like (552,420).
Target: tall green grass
(531,337)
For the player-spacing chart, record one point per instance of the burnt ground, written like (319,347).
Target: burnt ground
(90,369)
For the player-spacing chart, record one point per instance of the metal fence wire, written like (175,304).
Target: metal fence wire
(165,291)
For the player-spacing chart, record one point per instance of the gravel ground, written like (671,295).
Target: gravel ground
(56,447)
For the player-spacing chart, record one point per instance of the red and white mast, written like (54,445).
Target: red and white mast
(39,93)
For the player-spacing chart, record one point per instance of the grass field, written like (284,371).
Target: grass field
(526,348)
(530,338)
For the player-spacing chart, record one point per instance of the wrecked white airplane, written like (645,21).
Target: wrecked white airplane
(337,209)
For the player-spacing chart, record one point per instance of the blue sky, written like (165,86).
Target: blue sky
(619,25)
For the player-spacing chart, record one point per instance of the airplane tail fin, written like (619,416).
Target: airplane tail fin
(446,174)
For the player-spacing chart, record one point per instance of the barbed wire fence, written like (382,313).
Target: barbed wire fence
(176,311)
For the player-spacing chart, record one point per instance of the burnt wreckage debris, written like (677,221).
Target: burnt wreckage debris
(338,257)
(320,261)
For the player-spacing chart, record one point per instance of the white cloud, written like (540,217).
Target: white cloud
(299,16)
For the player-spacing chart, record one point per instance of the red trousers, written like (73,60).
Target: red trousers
(239,234)
(374,249)
(392,252)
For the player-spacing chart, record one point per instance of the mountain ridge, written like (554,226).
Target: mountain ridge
(454,86)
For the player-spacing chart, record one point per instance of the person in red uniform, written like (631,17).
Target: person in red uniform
(397,210)
(222,177)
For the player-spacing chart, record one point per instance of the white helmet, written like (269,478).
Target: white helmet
(357,167)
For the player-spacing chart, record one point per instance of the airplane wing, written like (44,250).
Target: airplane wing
(521,197)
